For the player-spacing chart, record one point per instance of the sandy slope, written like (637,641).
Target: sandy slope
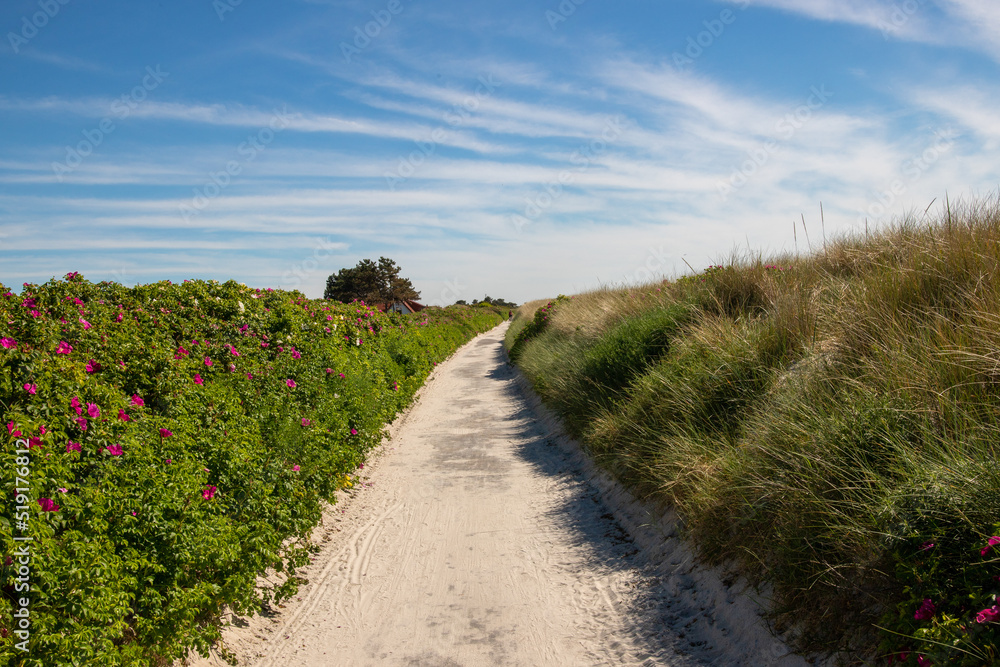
(481,537)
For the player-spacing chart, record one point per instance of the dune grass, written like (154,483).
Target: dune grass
(827,423)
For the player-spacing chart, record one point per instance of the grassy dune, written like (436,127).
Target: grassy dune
(827,423)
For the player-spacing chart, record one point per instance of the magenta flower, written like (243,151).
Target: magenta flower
(927,546)
(75,404)
(31,388)
(249,376)
(296,354)
(208,492)
(181,352)
(232,368)
(988,615)
(93,411)
(164,433)
(82,423)
(232,351)
(93,366)
(41,429)
(64,348)
(197,379)
(11,431)
(72,446)
(992,542)
(120,317)
(329,370)
(115,450)
(169,461)
(47,505)
(137,401)
(341,375)
(354,431)
(62,490)
(263,344)
(923,662)
(306,422)
(208,362)
(123,416)
(34,442)
(926,610)
(295,468)
(8,343)
(289,382)
(85,323)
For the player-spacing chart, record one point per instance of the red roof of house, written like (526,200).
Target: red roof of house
(413,306)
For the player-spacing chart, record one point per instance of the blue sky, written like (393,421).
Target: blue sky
(517,149)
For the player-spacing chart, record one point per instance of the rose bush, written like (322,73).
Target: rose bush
(181,441)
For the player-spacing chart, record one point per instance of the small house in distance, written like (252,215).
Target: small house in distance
(405,307)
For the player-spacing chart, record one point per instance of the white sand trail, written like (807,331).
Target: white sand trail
(480,536)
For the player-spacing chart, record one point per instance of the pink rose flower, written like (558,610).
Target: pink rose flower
(47,505)
(992,542)
(926,610)
(988,615)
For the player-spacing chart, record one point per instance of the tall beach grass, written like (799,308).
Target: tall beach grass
(830,424)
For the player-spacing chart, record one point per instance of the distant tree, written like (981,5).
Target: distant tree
(370,282)
(497,302)
(461,302)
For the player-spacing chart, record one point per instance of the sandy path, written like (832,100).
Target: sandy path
(480,537)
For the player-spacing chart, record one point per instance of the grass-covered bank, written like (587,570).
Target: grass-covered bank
(829,423)
(169,443)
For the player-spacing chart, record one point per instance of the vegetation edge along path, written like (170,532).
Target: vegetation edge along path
(829,423)
(169,443)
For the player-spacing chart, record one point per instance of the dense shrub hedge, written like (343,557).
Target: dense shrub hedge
(173,442)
